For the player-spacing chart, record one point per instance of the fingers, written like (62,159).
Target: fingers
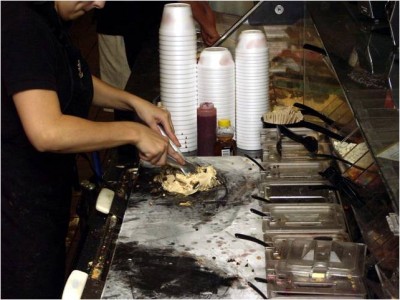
(172,148)
(209,40)
(155,158)
(161,116)
(156,152)
(168,127)
(153,147)
(177,156)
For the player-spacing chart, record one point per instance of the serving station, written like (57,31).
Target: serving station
(313,213)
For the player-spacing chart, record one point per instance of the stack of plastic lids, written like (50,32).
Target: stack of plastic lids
(216,81)
(178,48)
(252,81)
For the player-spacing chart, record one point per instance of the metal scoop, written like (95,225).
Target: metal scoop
(188,167)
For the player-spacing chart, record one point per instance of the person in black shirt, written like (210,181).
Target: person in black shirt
(47,90)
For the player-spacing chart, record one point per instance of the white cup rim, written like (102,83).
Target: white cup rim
(172,38)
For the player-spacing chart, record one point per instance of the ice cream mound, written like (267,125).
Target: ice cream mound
(204,179)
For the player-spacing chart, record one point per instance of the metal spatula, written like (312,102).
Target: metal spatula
(188,167)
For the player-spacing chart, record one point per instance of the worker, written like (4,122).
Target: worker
(47,90)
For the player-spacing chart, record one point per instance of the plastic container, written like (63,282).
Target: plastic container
(206,129)
(225,144)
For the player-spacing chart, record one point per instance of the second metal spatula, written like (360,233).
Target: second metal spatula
(188,167)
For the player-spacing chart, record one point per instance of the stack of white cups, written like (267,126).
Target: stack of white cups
(252,100)
(216,81)
(178,48)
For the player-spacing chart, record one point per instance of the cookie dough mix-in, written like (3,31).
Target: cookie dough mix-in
(204,179)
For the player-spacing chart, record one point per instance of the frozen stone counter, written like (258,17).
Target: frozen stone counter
(185,247)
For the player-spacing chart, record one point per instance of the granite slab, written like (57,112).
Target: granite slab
(185,247)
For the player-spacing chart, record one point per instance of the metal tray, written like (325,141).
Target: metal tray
(276,238)
(270,134)
(281,191)
(305,218)
(319,268)
(297,170)
(290,149)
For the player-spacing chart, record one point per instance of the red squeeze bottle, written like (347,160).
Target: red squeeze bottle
(206,129)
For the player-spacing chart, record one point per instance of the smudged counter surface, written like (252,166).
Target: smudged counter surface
(166,250)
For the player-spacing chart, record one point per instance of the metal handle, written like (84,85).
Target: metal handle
(309,110)
(236,25)
(175,147)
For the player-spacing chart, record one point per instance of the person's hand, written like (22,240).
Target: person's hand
(153,147)
(154,116)
(209,35)
(205,16)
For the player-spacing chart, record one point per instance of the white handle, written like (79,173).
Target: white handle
(75,284)
(104,200)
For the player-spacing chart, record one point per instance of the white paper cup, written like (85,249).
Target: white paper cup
(256,62)
(217,96)
(249,134)
(252,40)
(178,60)
(252,80)
(177,39)
(177,101)
(219,57)
(186,130)
(170,42)
(178,88)
(167,87)
(254,141)
(177,72)
(248,146)
(168,65)
(215,69)
(217,84)
(248,96)
(260,69)
(248,107)
(178,97)
(240,55)
(177,20)
(248,91)
(177,80)
(243,116)
(217,99)
(252,69)
(210,76)
(177,50)
(242,123)
(251,53)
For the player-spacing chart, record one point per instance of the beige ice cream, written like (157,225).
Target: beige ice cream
(204,179)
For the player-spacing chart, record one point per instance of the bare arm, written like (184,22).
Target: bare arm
(106,95)
(50,130)
(205,16)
